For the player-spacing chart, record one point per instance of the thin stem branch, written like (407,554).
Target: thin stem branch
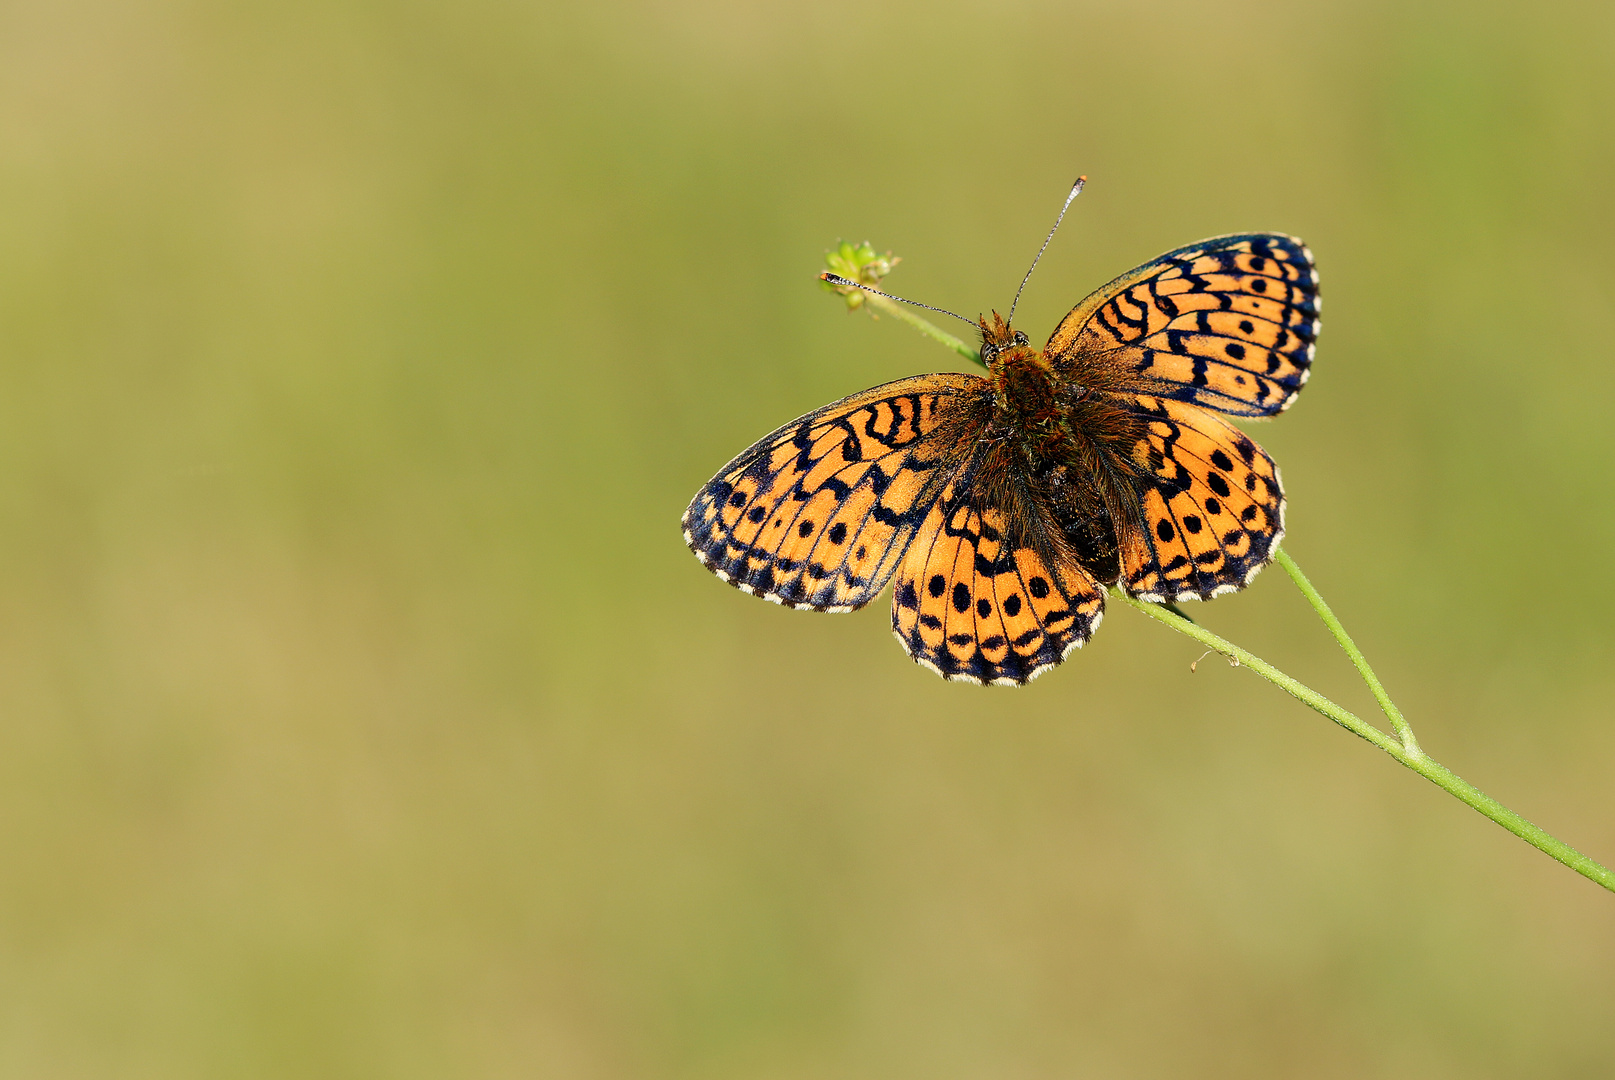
(1403,730)
(1294,687)
(924,326)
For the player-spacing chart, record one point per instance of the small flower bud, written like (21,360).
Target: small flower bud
(860,263)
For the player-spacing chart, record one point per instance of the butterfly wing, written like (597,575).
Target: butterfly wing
(1227,323)
(1212,509)
(818,513)
(972,606)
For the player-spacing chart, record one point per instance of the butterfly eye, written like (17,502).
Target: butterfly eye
(989,352)
(1021,339)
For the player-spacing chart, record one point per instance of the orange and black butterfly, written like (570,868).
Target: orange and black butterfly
(1000,506)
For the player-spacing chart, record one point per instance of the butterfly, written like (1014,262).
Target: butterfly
(1000,506)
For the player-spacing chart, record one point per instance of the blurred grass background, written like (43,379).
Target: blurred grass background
(362,714)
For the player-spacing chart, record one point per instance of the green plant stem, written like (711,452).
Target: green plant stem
(924,326)
(1410,755)
(1403,746)
(1403,730)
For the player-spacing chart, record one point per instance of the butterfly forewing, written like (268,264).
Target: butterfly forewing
(973,606)
(1228,323)
(818,513)
(1213,513)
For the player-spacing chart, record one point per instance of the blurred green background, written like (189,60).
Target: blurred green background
(363,715)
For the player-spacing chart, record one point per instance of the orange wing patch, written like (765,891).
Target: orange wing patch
(1231,321)
(818,513)
(970,607)
(1214,514)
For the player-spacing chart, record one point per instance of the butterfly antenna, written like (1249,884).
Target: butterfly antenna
(837,279)
(1076,189)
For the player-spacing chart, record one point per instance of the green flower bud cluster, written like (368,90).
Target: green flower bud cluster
(861,263)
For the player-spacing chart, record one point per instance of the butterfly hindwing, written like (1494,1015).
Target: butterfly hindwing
(1213,514)
(1228,323)
(818,513)
(972,606)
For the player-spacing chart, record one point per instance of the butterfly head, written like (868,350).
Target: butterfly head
(998,339)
